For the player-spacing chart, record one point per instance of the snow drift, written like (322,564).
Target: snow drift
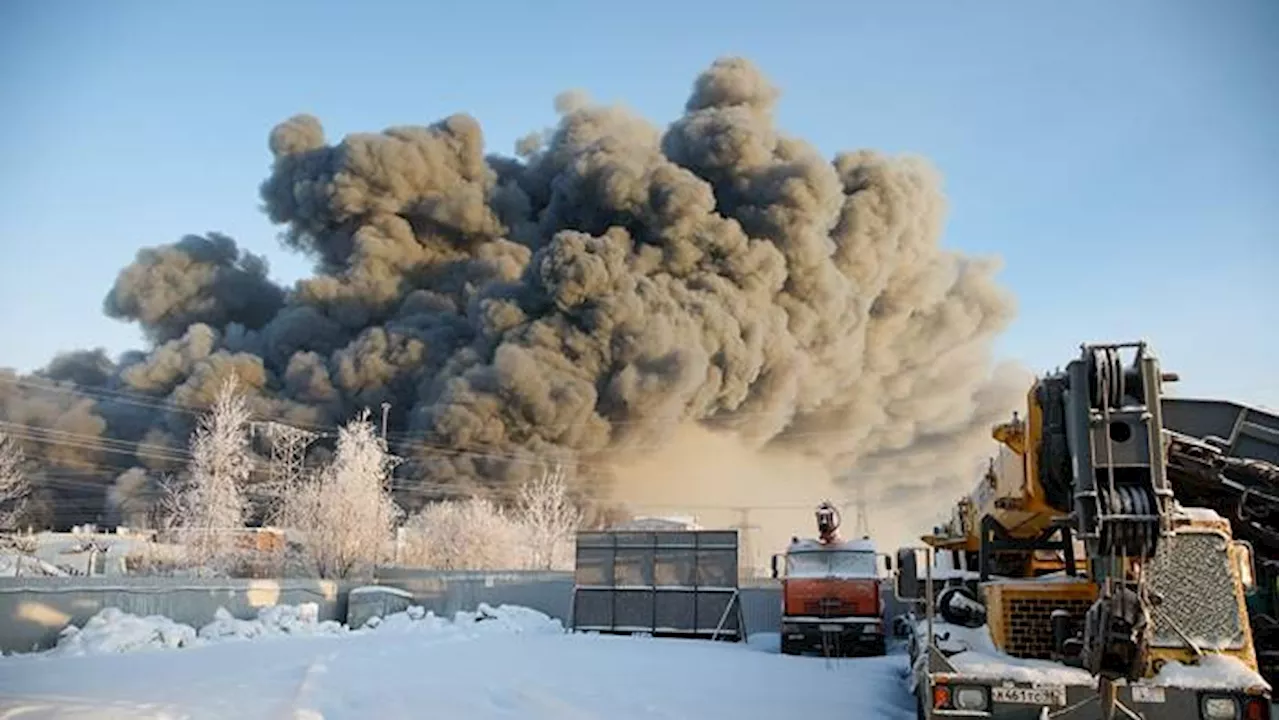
(113,631)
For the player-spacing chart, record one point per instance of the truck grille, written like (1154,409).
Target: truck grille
(1031,621)
(1193,579)
(825,607)
(1019,614)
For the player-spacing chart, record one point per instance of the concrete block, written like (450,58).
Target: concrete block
(370,601)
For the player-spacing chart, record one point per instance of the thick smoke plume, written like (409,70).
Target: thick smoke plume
(595,300)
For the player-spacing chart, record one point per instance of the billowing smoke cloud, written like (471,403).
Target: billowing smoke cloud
(614,287)
(132,500)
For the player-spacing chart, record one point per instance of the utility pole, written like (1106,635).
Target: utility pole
(746,550)
(288,456)
(862,526)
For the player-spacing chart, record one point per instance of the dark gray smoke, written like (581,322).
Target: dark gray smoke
(614,284)
(196,280)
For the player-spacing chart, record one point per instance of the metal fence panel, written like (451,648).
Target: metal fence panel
(663,582)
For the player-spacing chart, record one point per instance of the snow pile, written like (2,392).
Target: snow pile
(115,631)
(23,565)
(997,665)
(380,590)
(275,620)
(958,638)
(1214,671)
(485,620)
(506,619)
(972,652)
(379,674)
(414,618)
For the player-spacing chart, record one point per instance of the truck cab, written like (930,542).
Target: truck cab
(831,597)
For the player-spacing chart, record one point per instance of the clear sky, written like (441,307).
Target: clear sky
(1120,156)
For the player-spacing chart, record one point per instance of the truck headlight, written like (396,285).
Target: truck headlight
(1218,708)
(969,698)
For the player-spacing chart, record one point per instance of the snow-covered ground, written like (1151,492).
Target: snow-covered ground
(512,663)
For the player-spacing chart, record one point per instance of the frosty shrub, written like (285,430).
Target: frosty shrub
(477,534)
(472,534)
(211,507)
(14,486)
(550,517)
(346,515)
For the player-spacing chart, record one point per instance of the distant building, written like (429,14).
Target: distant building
(646,523)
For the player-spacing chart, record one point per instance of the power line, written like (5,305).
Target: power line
(153,402)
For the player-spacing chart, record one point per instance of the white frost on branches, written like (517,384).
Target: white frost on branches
(476,534)
(212,507)
(550,516)
(471,534)
(14,486)
(346,516)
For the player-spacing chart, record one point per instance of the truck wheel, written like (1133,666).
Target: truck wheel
(789,647)
(880,649)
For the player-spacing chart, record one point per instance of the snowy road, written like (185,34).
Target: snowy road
(430,675)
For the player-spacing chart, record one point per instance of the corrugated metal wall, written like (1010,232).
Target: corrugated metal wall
(34,610)
(446,592)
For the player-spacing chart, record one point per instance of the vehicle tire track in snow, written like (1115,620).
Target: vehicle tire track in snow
(297,709)
(527,702)
(50,707)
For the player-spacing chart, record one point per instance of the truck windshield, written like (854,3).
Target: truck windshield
(832,563)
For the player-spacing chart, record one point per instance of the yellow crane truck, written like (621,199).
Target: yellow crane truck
(1092,592)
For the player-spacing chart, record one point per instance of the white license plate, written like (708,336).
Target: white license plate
(1147,694)
(830,628)
(1052,695)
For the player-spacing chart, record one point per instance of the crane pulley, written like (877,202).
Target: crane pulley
(828,518)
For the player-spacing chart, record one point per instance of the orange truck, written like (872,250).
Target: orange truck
(831,601)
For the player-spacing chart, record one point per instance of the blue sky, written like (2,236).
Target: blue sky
(1120,157)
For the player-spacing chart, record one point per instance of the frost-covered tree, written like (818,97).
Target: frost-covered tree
(168,512)
(14,485)
(471,534)
(212,506)
(550,516)
(346,515)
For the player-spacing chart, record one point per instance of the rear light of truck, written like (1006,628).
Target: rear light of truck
(1228,707)
(1255,708)
(972,698)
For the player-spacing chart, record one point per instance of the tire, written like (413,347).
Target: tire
(880,649)
(788,647)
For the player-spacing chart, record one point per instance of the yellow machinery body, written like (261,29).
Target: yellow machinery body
(1020,603)
(1019,609)
(1010,493)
